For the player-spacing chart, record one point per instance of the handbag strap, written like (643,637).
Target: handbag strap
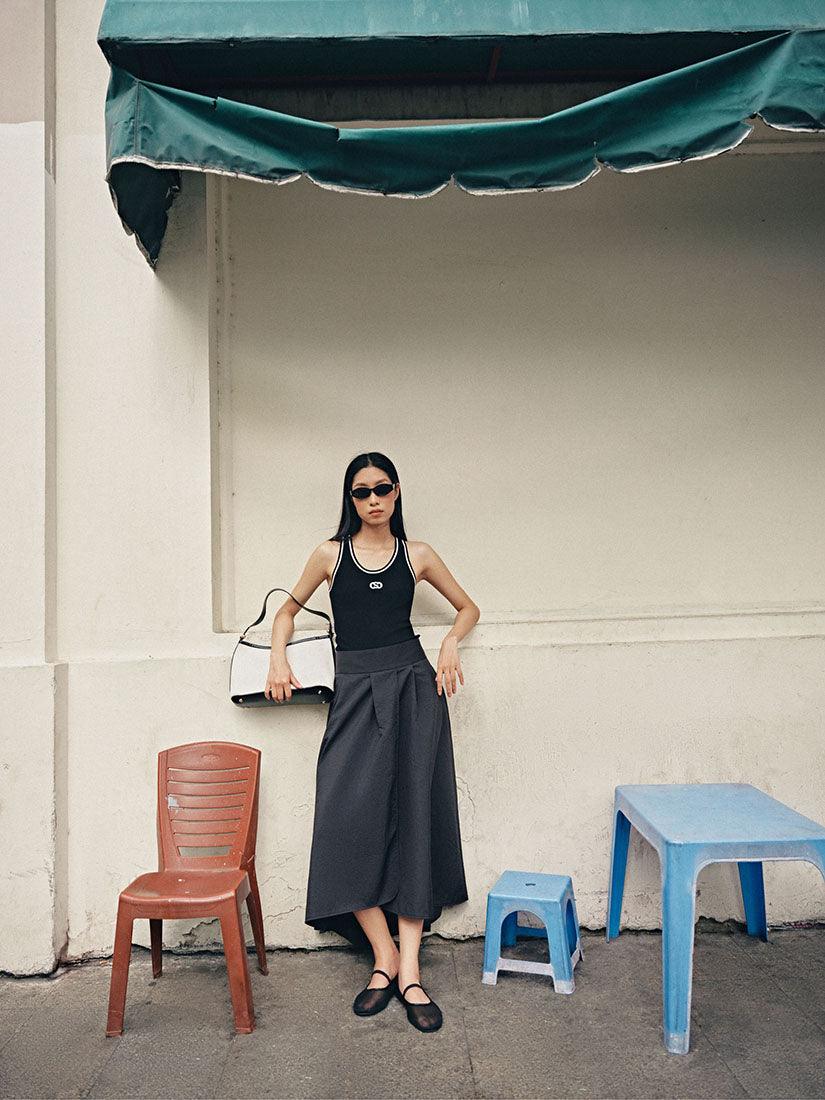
(260,618)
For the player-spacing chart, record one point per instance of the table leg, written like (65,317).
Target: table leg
(618,866)
(753,898)
(678,914)
(818,859)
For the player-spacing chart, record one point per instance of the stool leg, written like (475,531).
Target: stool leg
(678,913)
(492,941)
(508,930)
(753,898)
(618,865)
(560,957)
(572,924)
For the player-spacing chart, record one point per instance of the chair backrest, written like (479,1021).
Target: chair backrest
(207,799)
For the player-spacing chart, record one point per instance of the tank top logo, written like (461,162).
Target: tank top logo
(376,584)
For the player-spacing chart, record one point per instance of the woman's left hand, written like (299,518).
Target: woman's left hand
(449,666)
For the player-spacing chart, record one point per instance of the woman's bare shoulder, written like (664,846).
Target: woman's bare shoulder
(327,551)
(322,560)
(421,554)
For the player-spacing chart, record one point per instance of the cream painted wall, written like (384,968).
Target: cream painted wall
(662,619)
(32,926)
(606,400)
(632,371)
(700,662)
(542,734)
(23,224)
(133,399)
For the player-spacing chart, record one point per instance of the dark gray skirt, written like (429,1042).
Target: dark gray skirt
(386,829)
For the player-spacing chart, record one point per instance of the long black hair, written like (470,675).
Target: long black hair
(350,521)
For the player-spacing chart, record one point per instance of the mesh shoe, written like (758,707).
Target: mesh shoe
(426,1017)
(369,1001)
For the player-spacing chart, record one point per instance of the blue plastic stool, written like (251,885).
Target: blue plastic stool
(548,897)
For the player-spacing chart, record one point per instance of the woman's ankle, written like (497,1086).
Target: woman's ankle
(387,962)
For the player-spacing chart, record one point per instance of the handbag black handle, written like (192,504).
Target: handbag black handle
(260,618)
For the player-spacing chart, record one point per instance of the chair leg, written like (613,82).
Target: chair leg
(156,938)
(753,898)
(237,968)
(678,914)
(618,866)
(120,970)
(256,918)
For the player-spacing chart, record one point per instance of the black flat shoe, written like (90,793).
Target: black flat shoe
(369,1001)
(425,1017)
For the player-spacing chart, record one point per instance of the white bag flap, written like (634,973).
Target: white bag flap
(311,660)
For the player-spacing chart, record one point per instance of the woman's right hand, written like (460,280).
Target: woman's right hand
(280,680)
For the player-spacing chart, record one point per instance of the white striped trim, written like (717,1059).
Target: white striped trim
(383,567)
(338,562)
(407,556)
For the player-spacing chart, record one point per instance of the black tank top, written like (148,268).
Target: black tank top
(371,607)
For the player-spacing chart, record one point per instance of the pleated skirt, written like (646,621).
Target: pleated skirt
(386,828)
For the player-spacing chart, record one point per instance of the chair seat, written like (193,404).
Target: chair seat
(181,886)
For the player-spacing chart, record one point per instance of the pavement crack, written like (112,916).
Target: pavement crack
(476,1093)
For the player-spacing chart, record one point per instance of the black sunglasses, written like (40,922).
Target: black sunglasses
(382,490)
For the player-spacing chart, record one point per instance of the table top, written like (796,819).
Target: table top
(707,813)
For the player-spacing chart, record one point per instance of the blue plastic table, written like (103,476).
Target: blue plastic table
(691,825)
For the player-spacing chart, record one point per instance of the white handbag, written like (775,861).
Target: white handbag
(311,659)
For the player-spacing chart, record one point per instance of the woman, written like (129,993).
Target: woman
(386,845)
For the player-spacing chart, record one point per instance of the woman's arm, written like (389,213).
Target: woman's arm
(280,679)
(430,567)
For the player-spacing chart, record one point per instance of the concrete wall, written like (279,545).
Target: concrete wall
(611,406)
(33,925)
(603,401)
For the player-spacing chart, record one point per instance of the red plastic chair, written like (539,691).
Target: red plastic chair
(207,798)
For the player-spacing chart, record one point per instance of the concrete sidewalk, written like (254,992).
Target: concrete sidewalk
(758,1027)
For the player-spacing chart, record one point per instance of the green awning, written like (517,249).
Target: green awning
(207,45)
(155,130)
